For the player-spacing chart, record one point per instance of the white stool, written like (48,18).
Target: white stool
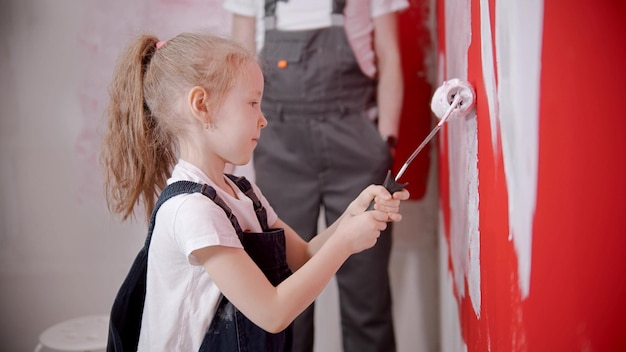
(89,333)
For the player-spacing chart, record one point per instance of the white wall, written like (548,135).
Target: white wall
(61,254)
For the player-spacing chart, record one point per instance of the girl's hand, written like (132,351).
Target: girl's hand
(359,227)
(359,232)
(383,201)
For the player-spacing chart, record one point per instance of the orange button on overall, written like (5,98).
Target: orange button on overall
(281,63)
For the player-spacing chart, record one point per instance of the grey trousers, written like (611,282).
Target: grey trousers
(327,160)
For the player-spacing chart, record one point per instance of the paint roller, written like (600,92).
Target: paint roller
(454,98)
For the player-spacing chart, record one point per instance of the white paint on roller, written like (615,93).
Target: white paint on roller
(519,27)
(443,101)
(463,162)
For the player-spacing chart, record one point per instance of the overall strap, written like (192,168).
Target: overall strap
(269,16)
(244,185)
(338,6)
(170,191)
(181,187)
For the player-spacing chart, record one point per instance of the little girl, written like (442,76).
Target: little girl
(224,273)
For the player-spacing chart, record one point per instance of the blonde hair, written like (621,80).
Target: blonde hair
(144,123)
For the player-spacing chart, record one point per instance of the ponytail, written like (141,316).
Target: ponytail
(137,157)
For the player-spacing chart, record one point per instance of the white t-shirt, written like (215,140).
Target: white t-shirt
(313,14)
(181,298)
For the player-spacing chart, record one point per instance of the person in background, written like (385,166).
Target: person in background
(179,111)
(333,96)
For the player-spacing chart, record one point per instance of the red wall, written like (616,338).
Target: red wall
(577,298)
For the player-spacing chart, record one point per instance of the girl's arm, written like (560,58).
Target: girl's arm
(274,308)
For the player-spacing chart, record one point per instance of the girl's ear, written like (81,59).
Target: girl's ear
(198,101)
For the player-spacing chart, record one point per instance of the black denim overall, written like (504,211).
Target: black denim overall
(321,148)
(229,330)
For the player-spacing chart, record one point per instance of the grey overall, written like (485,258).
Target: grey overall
(321,148)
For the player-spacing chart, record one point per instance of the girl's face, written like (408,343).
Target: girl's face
(239,121)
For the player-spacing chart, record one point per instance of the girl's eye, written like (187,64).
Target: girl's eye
(254,104)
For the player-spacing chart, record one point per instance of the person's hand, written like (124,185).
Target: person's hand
(361,231)
(383,201)
(359,228)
